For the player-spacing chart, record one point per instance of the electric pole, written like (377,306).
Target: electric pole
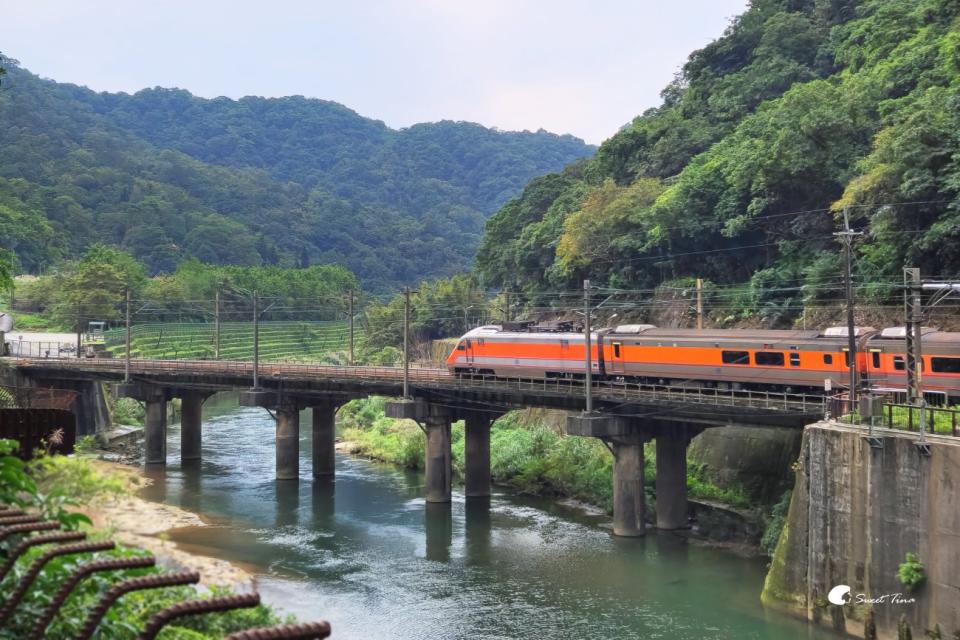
(126,357)
(256,342)
(913,307)
(700,304)
(588,371)
(507,311)
(406,342)
(79,328)
(848,236)
(350,313)
(216,325)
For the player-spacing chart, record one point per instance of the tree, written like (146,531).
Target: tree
(6,270)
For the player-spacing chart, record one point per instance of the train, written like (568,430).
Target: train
(770,360)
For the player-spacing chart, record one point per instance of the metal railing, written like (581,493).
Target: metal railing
(430,377)
(73,543)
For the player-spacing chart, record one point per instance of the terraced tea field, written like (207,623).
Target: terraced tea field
(288,341)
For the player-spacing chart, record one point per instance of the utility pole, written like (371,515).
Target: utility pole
(256,342)
(79,328)
(406,342)
(848,236)
(700,304)
(913,307)
(350,313)
(507,311)
(126,357)
(216,325)
(588,372)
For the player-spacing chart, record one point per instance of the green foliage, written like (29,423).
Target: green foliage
(775,524)
(128,411)
(6,270)
(911,572)
(798,108)
(292,181)
(44,486)
(439,309)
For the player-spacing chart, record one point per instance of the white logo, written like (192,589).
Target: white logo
(839,595)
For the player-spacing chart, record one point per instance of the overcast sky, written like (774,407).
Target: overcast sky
(568,66)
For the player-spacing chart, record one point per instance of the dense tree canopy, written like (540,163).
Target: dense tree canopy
(291,181)
(802,108)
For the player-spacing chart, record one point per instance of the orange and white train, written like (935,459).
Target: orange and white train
(796,361)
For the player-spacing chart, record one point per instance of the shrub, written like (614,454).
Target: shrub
(911,572)
(778,518)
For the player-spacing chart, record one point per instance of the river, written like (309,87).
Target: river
(368,554)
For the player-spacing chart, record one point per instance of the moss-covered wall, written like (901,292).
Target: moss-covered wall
(855,514)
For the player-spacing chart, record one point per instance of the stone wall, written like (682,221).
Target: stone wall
(855,514)
(758,459)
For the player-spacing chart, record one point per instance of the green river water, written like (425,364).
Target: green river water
(368,554)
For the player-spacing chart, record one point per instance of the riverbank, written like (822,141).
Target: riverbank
(135,521)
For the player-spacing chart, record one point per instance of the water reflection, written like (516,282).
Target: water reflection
(438,529)
(477,530)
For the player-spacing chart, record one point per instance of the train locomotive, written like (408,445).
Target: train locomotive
(770,360)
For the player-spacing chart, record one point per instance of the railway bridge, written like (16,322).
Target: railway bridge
(625,416)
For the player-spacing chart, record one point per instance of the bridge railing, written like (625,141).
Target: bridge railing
(433,377)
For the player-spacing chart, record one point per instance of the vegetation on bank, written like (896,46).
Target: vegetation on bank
(54,486)
(528,456)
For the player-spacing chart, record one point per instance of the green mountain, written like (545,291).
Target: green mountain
(290,181)
(801,108)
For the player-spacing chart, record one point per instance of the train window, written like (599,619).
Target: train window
(735,357)
(768,358)
(945,365)
(827,358)
(898,363)
(461,347)
(876,359)
(794,359)
(846,357)
(616,349)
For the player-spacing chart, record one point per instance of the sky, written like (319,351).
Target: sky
(567,66)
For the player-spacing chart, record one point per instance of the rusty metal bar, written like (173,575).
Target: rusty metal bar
(305,631)
(194,607)
(37,566)
(35,541)
(133,584)
(6,521)
(78,574)
(7,512)
(27,527)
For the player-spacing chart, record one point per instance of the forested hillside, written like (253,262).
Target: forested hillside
(289,181)
(802,108)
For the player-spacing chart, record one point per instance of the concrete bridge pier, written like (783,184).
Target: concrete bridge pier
(438,467)
(324,433)
(672,506)
(155,428)
(629,501)
(191,427)
(477,455)
(154,399)
(288,441)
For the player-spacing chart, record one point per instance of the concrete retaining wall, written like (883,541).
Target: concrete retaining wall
(855,514)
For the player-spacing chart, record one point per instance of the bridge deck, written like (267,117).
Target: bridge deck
(712,404)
